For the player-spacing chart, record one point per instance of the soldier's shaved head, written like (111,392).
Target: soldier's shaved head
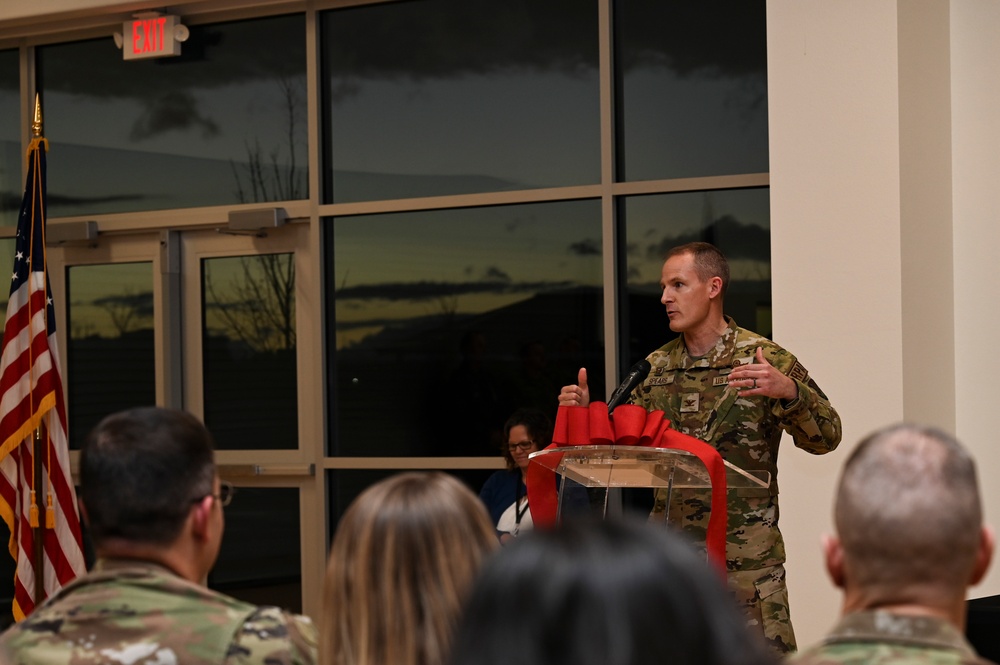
(908,513)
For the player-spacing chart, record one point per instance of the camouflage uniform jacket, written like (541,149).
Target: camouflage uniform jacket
(872,638)
(134,613)
(745,430)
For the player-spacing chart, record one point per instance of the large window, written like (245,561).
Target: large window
(495,186)
(222,123)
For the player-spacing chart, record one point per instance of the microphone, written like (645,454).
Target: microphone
(635,376)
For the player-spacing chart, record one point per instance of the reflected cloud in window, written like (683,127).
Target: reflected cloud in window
(692,98)
(460,96)
(222,123)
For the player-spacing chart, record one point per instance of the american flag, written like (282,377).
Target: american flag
(31,397)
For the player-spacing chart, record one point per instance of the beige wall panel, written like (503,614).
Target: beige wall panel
(926,213)
(976,170)
(834,151)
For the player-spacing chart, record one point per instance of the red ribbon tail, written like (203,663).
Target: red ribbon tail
(542,494)
(715,538)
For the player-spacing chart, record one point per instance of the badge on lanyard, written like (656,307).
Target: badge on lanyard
(689,402)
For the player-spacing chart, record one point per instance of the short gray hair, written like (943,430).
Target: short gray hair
(908,510)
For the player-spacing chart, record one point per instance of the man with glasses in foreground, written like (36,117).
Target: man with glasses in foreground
(153,502)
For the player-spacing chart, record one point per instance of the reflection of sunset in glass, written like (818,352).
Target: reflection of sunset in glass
(109,300)
(737,221)
(110,344)
(251,300)
(389,272)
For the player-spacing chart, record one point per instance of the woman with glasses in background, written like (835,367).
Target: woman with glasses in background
(504,493)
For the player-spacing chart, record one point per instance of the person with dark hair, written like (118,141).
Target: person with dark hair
(504,492)
(603,593)
(910,542)
(402,561)
(739,392)
(152,500)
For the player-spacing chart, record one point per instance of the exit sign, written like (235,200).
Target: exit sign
(151,37)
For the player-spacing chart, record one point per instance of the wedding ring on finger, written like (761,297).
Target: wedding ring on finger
(755,384)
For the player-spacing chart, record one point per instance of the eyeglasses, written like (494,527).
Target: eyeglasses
(523,445)
(225,495)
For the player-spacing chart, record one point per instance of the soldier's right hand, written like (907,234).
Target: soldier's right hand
(577,394)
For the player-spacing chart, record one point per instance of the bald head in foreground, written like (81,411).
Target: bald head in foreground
(910,541)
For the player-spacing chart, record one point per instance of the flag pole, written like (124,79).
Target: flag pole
(37,525)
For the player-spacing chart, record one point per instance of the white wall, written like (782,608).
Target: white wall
(835,236)
(975,52)
(885,164)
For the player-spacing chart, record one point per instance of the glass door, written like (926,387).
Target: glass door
(210,322)
(243,330)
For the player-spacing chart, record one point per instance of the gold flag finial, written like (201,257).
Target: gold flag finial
(36,123)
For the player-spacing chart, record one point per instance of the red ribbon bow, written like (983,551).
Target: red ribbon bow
(630,425)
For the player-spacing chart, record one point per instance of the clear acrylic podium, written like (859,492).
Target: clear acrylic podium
(601,469)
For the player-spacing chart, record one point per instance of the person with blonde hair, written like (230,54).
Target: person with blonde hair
(403,558)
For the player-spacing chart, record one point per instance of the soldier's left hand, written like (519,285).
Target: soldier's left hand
(762,378)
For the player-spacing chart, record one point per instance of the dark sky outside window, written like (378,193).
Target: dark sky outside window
(460,96)
(692,88)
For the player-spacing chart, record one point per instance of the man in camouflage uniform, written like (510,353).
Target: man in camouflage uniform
(153,502)
(910,541)
(737,391)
